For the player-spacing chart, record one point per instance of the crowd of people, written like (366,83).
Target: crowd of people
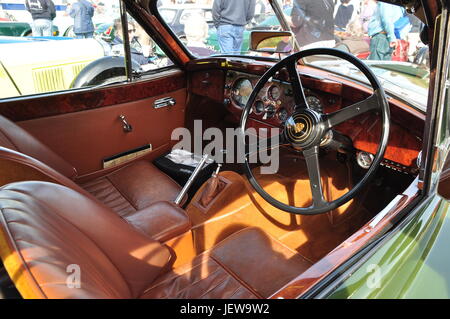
(42,12)
(81,11)
(368,28)
(373,29)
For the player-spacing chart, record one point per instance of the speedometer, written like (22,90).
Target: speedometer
(241,91)
(274,93)
(314,103)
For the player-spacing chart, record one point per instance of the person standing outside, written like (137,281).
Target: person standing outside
(287,4)
(230,18)
(196,31)
(313,23)
(381,31)
(42,12)
(368,8)
(82,12)
(343,14)
(260,11)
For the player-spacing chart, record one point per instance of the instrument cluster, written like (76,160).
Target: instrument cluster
(273,104)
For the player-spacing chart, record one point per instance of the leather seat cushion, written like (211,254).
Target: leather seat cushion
(203,278)
(46,228)
(133,188)
(161,221)
(264,263)
(248,264)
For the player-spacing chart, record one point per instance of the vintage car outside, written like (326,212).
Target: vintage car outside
(54,68)
(15,20)
(301,173)
(19,29)
(65,62)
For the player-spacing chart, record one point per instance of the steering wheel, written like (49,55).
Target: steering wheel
(306,129)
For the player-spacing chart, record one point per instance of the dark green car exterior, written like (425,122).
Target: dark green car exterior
(413,263)
(15,29)
(19,29)
(412,259)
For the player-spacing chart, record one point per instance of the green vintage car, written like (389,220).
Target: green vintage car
(19,29)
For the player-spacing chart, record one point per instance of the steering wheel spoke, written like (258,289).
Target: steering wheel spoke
(264,144)
(297,86)
(315,180)
(349,112)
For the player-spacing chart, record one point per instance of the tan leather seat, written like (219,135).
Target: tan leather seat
(58,243)
(133,188)
(248,264)
(127,190)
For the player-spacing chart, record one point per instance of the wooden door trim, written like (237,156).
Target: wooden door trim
(33,107)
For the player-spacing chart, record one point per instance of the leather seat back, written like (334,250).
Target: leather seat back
(42,242)
(15,138)
(18,167)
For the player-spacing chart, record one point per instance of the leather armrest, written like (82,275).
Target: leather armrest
(161,221)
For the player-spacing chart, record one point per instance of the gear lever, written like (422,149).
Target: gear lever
(212,188)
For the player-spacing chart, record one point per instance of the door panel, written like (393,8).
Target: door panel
(87,137)
(86,99)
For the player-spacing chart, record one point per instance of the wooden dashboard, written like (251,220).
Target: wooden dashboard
(328,93)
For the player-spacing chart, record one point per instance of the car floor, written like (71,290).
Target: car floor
(239,206)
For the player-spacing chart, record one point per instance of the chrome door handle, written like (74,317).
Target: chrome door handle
(127,128)
(166,101)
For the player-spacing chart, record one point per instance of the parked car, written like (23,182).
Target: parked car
(351,201)
(67,63)
(24,73)
(20,29)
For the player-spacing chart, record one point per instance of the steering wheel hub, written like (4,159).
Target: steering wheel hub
(302,128)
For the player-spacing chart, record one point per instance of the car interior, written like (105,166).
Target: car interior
(81,184)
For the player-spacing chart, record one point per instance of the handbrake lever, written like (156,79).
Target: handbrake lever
(191,179)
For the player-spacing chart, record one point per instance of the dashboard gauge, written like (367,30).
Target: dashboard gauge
(314,103)
(274,93)
(270,111)
(364,159)
(283,115)
(241,91)
(288,92)
(259,107)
